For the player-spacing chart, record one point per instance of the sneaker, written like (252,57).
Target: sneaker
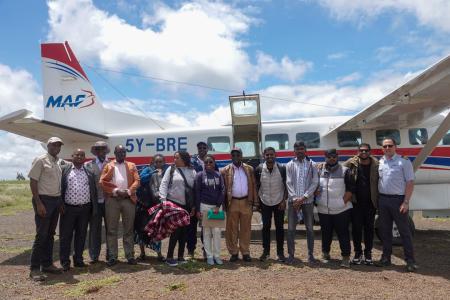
(411,267)
(383,262)
(37,275)
(52,270)
(171,262)
(132,262)
(181,261)
(218,261)
(210,261)
(66,267)
(345,263)
(357,260)
(234,258)
(290,260)
(326,258)
(264,256)
(312,260)
(368,261)
(281,258)
(246,258)
(111,262)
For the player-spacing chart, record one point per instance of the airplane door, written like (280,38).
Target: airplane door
(246,124)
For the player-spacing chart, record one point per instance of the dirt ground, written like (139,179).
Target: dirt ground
(255,280)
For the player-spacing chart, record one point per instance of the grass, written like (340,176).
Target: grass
(15,196)
(177,286)
(14,250)
(91,286)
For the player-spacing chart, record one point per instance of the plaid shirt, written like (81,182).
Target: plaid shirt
(167,218)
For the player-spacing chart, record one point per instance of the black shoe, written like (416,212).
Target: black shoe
(94,261)
(142,257)
(357,259)
(281,258)
(132,262)
(37,275)
(161,258)
(264,256)
(111,262)
(383,262)
(79,265)
(65,267)
(51,269)
(246,258)
(411,267)
(234,258)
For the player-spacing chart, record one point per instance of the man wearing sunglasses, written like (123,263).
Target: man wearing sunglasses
(395,188)
(364,170)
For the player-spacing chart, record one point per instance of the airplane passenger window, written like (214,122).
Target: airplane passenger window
(248,148)
(388,133)
(220,144)
(277,141)
(445,140)
(349,138)
(418,136)
(311,139)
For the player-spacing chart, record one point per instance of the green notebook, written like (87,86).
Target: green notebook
(219,216)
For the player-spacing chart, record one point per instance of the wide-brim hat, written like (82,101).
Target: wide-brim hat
(99,144)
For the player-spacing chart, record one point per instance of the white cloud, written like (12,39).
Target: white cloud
(432,13)
(285,69)
(18,90)
(198,42)
(337,55)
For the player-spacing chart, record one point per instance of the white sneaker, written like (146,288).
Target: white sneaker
(218,261)
(210,261)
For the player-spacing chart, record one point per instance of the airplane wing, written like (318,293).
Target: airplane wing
(22,122)
(416,101)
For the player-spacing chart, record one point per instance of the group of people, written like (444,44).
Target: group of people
(172,200)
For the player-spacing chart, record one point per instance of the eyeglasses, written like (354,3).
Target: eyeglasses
(209,162)
(388,146)
(332,156)
(364,150)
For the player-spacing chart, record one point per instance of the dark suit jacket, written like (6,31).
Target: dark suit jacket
(92,185)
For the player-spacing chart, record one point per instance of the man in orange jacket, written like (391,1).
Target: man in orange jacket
(119,181)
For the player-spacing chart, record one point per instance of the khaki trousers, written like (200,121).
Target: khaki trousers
(116,207)
(238,227)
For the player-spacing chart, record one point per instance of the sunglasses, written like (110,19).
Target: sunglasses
(364,150)
(332,156)
(388,146)
(209,162)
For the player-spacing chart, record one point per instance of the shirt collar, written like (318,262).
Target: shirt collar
(51,158)
(237,168)
(394,157)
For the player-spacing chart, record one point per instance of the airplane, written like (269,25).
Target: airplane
(414,115)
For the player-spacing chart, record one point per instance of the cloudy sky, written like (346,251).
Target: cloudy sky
(341,54)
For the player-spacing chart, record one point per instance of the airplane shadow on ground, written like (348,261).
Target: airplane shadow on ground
(431,250)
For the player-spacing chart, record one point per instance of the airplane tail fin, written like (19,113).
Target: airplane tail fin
(69,97)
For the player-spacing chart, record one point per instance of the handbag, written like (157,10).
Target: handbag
(220,215)
(188,192)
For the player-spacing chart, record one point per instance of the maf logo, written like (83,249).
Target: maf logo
(71,101)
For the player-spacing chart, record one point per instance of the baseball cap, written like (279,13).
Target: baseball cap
(55,139)
(331,152)
(236,149)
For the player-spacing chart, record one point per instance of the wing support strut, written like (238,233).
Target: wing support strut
(432,142)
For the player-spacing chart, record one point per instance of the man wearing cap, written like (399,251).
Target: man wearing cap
(120,180)
(240,200)
(100,149)
(333,199)
(301,183)
(79,194)
(45,184)
(395,188)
